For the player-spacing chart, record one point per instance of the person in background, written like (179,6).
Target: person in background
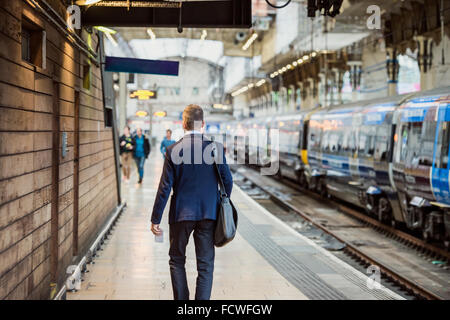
(167,141)
(126,142)
(141,151)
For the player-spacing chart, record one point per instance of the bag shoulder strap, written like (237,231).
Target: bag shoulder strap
(219,177)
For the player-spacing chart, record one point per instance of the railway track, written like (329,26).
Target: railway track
(418,244)
(404,279)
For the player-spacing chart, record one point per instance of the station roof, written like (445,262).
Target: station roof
(209,50)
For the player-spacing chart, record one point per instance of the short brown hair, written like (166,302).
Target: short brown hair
(191,114)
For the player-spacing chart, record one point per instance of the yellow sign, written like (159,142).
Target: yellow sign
(160,114)
(141,113)
(143,94)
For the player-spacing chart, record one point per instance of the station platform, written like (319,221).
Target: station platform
(267,259)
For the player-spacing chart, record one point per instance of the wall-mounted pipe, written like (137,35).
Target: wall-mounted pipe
(74,38)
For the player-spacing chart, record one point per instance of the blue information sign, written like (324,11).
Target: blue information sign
(131,65)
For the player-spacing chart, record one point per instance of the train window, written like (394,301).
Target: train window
(314,138)
(443,146)
(417,143)
(366,145)
(401,156)
(334,142)
(325,143)
(381,143)
(354,141)
(413,142)
(300,140)
(346,140)
(340,141)
(371,135)
(425,157)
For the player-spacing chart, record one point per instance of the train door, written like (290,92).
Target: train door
(419,158)
(440,171)
(303,141)
(398,164)
(353,160)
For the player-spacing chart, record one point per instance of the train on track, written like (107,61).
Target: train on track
(388,156)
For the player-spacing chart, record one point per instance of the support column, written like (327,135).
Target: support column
(425,61)
(291,106)
(275,101)
(298,97)
(282,100)
(150,129)
(339,81)
(262,106)
(355,77)
(322,89)
(303,95)
(392,70)
(333,84)
(309,93)
(123,97)
(315,92)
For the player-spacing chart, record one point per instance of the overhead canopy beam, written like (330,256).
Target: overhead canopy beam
(194,14)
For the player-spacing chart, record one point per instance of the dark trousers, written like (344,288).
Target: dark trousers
(140,161)
(204,251)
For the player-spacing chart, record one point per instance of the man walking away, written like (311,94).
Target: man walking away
(167,142)
(126,142)
(141,152)
(194,203)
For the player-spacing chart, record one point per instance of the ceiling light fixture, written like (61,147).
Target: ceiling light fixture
(130,4)
(87,2)
(151,34)
(204,34)
(111,39)
(260,82)
(105,30)
(249,42)
(241,90)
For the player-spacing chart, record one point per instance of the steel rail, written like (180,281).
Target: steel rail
(412,240)
(388,272)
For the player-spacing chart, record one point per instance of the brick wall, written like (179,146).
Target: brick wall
(28,100)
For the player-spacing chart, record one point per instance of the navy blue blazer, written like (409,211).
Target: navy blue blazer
(193,178)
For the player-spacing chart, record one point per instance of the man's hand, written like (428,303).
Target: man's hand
(156,230)
(122,143)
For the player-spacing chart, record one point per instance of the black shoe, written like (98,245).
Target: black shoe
(140,180)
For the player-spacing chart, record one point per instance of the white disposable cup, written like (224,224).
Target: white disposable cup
(160,238)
